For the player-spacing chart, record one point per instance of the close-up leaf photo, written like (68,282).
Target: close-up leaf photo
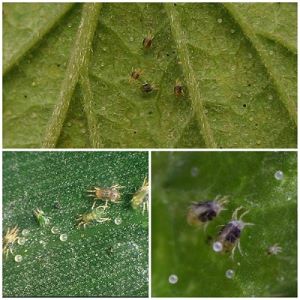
(75,224)
(224,224)
(149,75)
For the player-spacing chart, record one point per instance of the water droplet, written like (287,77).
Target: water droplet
(173,279)
(232,31)
(55,230)
(250,55)
(69,124)
(278,175)
(271,52)
(270,97)
(229,274)
(21,241)
(18,258)
(25,232)
(258,142)
(251,119)
(118,221)
(63,237)
(239,95)
(194,171)
(217,246)
(131,39)
(220,20)
(33,83)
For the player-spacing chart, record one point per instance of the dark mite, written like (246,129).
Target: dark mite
(135,74)
(229,236)
(147,41)
(178,89)
(200,213)
(147,88)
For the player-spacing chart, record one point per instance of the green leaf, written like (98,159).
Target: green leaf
(248,178)
(67,78)
(101,260)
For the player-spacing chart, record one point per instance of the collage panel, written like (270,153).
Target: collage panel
(224,224)
(150,75)
(75,224)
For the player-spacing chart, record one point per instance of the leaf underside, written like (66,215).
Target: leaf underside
(101,260)
(248,179)
(237,63)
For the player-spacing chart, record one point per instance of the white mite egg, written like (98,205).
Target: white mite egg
(278,175)
(229,274)
(217,246)
(173,279)
(63,237)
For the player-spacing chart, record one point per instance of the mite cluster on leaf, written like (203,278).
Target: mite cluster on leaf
(201,213)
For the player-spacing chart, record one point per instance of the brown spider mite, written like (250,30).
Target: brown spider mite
(200,213)
(9,239)
(147,41)
(135,74)
(229,236)
(111,194)
(147,87)
(178,89)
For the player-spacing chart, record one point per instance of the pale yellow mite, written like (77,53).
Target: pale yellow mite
(97,215)
(141,197)
(9,239)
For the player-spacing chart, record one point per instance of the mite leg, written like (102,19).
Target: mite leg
(234,215)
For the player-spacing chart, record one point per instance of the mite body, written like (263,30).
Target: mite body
(111,194)
(147,41)
(147,88)
(274,250)
(9,239)
(178,89)
(229,236)
(98,215)
(136,74)
(141,197)
(200,213)
(41,218)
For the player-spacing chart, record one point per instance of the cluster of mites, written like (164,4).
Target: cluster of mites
(228,238)
(146,86)
(96,214)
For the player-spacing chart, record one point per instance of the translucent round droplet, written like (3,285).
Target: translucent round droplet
(217,246)
(232,31)
(18,258)
(25,232)
(220,20)
(270,97)
(118,221)
(21,241)
(63,237)
(131,39)
(278,175)
(229,274)
(173,279)
(55,230)
(194,171)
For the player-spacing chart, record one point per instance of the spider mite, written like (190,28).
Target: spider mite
(41,218)
(97,214)
(147,41)
(140,198)
(9,239)
(147,88)
(274,250)
(178,89)
(229,236)
(200,213)
(135,74)
(111,194)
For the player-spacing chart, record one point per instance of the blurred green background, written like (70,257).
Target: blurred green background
(178,178)
(102,260)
